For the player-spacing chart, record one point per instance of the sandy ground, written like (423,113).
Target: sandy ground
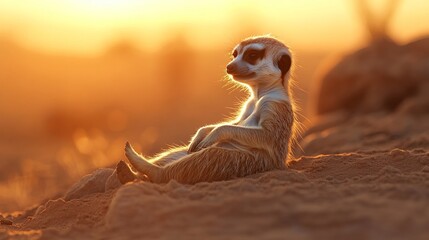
(364,178)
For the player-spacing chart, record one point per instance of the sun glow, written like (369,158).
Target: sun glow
(89,26)
(105,6)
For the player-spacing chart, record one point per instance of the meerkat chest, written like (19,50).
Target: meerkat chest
(251,116)
(252,113)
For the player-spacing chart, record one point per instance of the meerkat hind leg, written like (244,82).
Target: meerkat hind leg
(170,156)
(140,164)
(212,164)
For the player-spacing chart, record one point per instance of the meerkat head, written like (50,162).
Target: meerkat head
(260,61)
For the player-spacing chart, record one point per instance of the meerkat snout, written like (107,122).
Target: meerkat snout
(239,70)
(231,68)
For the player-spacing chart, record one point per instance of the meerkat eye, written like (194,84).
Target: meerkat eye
(235,53)
(252,55)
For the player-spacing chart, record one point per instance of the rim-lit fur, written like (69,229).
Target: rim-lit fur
(257,140)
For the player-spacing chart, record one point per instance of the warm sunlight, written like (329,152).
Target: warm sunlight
(88,27)
(104,6)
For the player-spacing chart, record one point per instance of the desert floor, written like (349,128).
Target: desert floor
(362,178)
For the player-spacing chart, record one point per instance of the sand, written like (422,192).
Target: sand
(364,178)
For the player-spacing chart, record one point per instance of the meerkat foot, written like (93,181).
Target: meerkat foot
(140,164)
(132,155)
(124,173)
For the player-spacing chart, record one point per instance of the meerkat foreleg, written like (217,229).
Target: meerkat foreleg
(247,136)
(141,164)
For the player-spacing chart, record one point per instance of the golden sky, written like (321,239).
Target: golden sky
(88,26)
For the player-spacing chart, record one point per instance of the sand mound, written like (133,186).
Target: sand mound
(92,183)
(369,133)
(367,178)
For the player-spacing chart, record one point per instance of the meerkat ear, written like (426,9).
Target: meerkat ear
(284,64)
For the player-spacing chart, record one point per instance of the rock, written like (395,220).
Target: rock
(5,222)
(91,183)
(377,78)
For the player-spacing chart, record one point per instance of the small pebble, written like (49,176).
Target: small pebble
(398,152)
(425,169)
(6,222)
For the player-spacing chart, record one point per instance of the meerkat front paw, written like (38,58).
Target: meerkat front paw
(210,139)
(205,143)
(199,136)
(193,146)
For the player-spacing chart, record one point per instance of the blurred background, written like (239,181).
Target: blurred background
(78,78)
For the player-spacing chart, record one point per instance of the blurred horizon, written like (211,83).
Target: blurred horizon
(88,28)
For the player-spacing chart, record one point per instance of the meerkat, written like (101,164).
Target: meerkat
(257,140)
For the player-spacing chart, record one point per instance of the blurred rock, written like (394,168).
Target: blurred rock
(419,46)
(5,222)
(377,78)
(418,105)
(91,183)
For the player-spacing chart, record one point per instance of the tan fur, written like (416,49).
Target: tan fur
(257,141)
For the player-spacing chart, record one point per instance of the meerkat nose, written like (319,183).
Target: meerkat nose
(231,68)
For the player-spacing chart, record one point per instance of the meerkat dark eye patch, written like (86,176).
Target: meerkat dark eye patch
(253,55)
(235,53)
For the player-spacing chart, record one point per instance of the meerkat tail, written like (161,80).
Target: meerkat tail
(140,164)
